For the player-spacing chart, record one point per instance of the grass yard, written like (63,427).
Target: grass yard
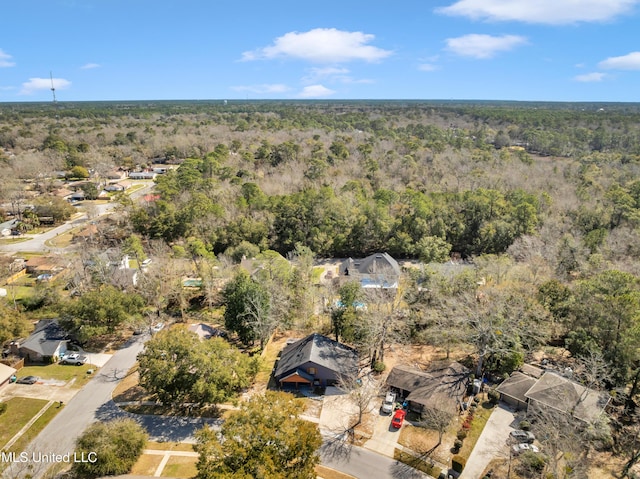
(63,240)
(35,428)
(169,446)
(19,412)
(60,372)
(267,362)
(146,465)
(328,473)
(13,240)
(181,467)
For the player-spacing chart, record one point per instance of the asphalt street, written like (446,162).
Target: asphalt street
(89,405)
(364,464)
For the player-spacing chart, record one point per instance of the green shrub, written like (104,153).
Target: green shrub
(3,408)
(379,366)
(494,396)
(458,463)
(461,434)
(457,444)
(525,425)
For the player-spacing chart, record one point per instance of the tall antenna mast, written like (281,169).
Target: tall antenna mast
(53,92)
(53,89)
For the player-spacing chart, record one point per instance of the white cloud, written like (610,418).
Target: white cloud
(90,66)
(333,75)
(263,88)
(326,72)
(315,91)
(5,60)
(630,61)
(37,84)
(591,77)
(551,12)
(321,45)
(483,46)
(428,67)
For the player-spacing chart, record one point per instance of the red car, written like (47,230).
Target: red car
(398,417)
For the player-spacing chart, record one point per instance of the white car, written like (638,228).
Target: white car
(389,403)
(75,359)
(524,447)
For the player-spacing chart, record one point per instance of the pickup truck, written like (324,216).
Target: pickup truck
(75,359)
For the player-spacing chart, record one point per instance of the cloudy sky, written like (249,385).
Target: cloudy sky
(555,50)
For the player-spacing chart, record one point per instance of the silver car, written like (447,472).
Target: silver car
(389,403)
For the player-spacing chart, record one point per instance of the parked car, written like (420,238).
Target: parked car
(75,358)
(388,403)
(28,380)
(524,447)
(523,436)
(157,327)
(398,418)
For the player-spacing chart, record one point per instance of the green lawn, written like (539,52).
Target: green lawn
(19,412)
(181,467)
(35,428)
(13,240)
(60,372)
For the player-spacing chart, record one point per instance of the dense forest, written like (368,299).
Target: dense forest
(538,204)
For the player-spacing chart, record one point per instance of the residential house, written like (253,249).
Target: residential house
(160,170)
(6,373)
(119,186)
(116,175)
(77,196)
(551,390)
(513,390)
(48,342)
(378,270)
(206,331)
(442,387)
(315,361)
(142,175)
(42,265)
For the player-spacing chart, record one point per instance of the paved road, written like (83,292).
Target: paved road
(365,464)
(37,242)
(87,406)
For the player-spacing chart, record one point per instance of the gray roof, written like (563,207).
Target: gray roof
(516,386)
(204,331)
(441,387)
(46,338)
(564,395)
(320,350)
(377,264)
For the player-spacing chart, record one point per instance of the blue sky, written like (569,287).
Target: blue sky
(541,50)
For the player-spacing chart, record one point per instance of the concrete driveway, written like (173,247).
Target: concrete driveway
(338,411)
(492,443)
(385,437)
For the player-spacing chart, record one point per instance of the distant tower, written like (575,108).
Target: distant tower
(53,92)
(53,89)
